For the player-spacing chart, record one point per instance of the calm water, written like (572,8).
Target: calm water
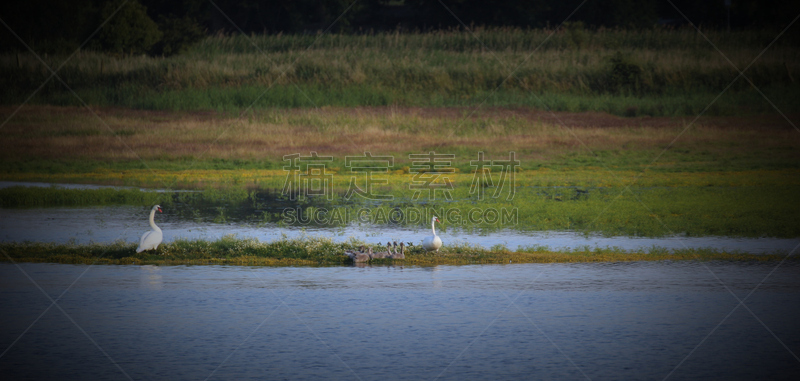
(212,221)
(107,224)
(558,321)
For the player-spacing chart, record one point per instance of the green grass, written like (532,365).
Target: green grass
(657,72)
(234,99)
(52,140)
(319,251)
(742,205)
(28,197)
(722,176)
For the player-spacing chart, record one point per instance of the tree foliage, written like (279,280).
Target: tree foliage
(129,30)
(178,34)
(159,27)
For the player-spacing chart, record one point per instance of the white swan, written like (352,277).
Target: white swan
(151,239)
(433,242)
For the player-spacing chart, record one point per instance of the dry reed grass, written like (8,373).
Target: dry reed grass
(62,133)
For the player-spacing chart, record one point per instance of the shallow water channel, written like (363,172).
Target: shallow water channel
(256,219)
(645,320)
(110,223)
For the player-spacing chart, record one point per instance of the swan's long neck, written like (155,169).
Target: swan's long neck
(152,220)
(433,229)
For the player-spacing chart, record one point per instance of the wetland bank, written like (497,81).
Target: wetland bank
(603,132)
(614,203)
(726,177)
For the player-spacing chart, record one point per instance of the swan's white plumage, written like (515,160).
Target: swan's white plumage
(432,242)
(151,239)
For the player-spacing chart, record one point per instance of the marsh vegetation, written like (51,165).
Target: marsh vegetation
(654,72)
(590,173)
(320,251)
(221,117)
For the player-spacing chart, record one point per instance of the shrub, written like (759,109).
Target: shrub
(129,30)
(624,75)
(178,34)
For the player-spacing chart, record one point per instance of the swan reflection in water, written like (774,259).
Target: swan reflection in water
(151,277)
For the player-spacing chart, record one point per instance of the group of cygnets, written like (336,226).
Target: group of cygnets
(151,239)
(363,255)
(430,243)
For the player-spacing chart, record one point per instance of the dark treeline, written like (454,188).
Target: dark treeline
(165,28)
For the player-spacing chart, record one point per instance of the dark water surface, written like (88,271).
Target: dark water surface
(609,321)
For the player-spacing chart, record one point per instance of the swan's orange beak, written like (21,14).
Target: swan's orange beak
(159,210)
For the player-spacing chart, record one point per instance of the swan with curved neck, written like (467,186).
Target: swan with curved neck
(433,242)
(151,240)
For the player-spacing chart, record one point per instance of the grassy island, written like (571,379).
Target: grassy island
(318,251)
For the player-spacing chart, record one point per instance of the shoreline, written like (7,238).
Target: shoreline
(321,252)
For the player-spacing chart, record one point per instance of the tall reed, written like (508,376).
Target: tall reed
(655,72)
